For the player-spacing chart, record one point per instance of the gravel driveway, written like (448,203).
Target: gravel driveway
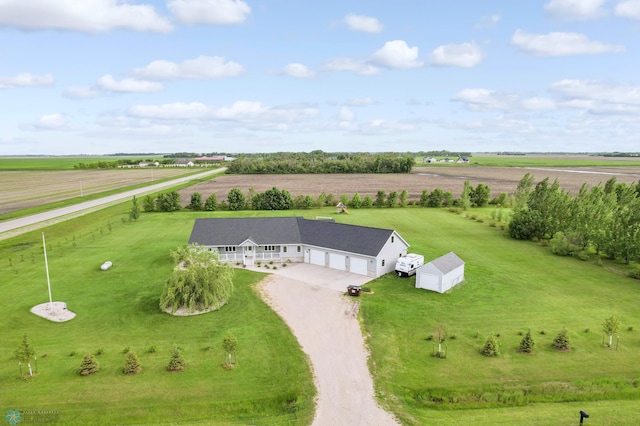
(312,302)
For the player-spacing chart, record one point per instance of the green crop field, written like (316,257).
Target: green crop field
(60,163)
(510,287)
(540,160)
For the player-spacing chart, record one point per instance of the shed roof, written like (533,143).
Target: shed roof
(290,230)
(447,263)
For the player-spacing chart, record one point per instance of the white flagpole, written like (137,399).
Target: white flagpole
(46,265)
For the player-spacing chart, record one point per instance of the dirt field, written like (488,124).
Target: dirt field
(499,179)
(24,189)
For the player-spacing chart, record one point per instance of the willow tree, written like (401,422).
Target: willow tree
(200,281)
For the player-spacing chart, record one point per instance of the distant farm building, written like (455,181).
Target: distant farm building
(183,163)
(441,274)
(429,160)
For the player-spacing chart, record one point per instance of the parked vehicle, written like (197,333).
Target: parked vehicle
(407,264)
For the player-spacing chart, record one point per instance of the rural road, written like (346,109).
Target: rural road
(14,227)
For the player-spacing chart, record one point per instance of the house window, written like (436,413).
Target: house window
(382,262)
(392,238)
(299,249)
(269,248)
(230,248)
(284,249)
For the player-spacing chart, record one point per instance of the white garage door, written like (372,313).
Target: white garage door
(358,266)
(317,257)
(427,281)
(337,261)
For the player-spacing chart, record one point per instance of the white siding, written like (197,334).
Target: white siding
(392,250)
(428,281)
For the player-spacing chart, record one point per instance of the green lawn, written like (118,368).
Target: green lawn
(510,287)
(118,308)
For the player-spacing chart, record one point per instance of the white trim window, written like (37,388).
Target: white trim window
(270,248)
(230,249)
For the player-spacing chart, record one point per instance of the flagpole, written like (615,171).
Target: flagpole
(46,265)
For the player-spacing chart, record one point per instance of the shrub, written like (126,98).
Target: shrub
(561,342)
(630,328)
(126,350)
(72,353)
(152,349)
(99,352)
(635,273)
(88,366)
(491,347)
(132,364)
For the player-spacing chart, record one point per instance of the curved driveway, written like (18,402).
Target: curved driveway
(15,227)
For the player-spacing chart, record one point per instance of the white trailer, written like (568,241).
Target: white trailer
(407,264)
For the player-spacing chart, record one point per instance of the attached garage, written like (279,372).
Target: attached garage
(337,261)
(317,257)
(358,265)
(441,274)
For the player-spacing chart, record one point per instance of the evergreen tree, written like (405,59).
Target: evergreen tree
(176,363)
(491,347)
(380,197)
(149,203)
(424,198)
(134,213)
(235,198)
(392,199)
(436,198)
(403,198)
(527,344)
(561,342)
(89,365)
(356,202)
(367,202)
(132,364)
(465,197)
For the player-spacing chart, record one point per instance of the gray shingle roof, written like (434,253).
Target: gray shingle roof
(290,230)
(447,263)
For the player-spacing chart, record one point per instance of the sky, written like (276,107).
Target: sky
(116,76)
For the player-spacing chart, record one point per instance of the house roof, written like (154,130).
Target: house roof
(447,263)
(290,230)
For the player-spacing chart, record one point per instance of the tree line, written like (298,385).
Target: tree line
(603,218)
(320,162)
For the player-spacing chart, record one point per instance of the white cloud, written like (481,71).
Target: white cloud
(538,104)
(298,71)
(346,64)
(386,127)
(367,24)
(90,16)
(240,111)
(55,121)
(213,12)
(561,44)
(128,85)
(396,54)
(575,9)
(628,9)
(81,92)
(488,21)
(465,55)
(173,111)
(485,100)
(359,102)
(599,97)
(200,68)
(25,80)
(346,114)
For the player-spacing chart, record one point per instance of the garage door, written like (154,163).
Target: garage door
(317,257)
(337,261)
(427,281)
(358,266)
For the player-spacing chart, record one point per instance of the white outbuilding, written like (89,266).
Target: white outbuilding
(441,274)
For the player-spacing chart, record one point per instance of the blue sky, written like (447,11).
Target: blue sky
(106,76)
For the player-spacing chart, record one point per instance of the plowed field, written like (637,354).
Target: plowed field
(499,179)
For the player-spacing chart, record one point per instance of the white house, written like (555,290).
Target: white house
(359,249)
(441,274)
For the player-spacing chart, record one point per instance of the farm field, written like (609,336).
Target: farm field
(510,286)
(544,160)
(447,178)
(60,162)
(26,189)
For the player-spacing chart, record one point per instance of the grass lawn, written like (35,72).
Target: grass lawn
(117,309)
(510,287)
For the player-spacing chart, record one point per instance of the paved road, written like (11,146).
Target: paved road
(15,227)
